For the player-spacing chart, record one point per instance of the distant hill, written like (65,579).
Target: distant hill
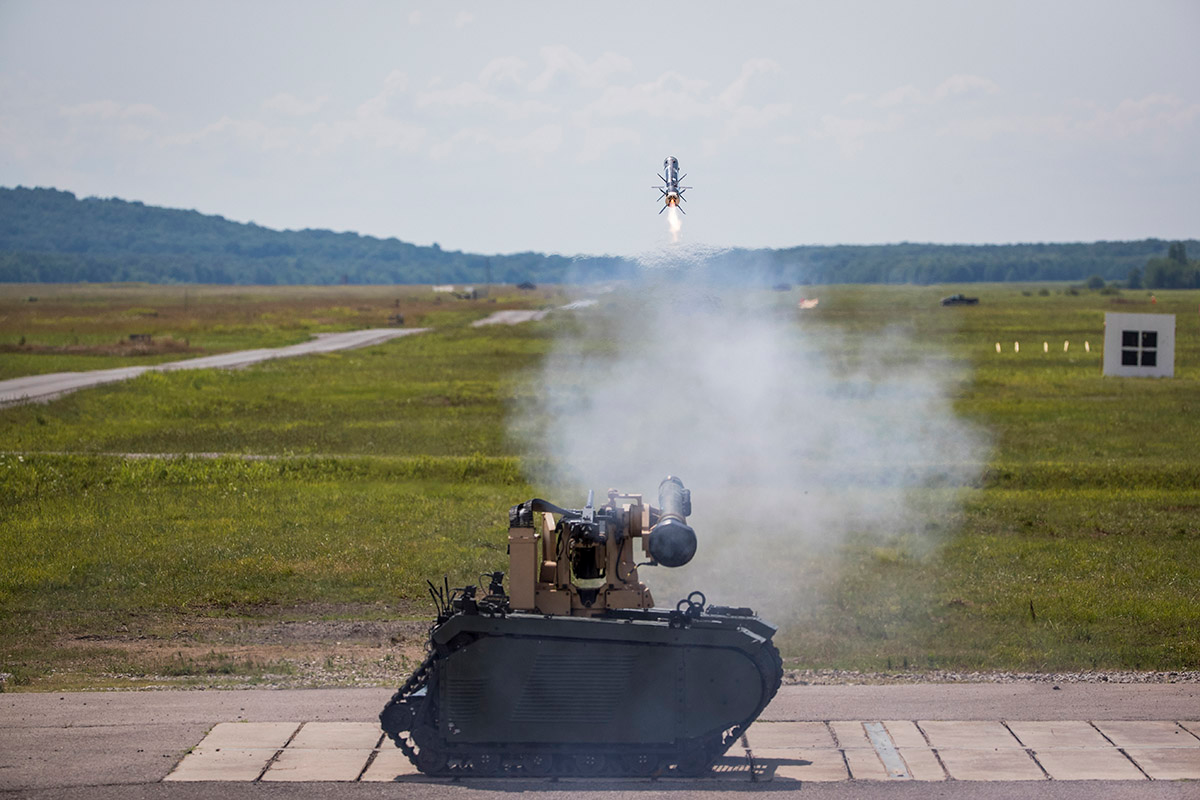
(52,236)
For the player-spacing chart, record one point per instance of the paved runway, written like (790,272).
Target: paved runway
(955,740)
(41,388)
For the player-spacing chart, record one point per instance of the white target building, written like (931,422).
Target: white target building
(1139,345)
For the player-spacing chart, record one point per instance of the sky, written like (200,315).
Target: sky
(500,127)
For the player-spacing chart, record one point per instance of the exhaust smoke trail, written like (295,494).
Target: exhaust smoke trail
(674,223)
(795,437)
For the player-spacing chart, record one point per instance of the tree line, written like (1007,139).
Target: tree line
(52,236)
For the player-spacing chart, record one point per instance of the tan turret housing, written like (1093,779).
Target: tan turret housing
(584,562)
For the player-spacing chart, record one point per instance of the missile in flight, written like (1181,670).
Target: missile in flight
(672,192)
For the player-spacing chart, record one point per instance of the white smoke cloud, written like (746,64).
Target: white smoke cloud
(793,438)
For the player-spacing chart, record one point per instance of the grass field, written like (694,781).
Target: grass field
(66,327)
(1078,549)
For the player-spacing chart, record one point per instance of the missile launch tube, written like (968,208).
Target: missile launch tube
(672,542)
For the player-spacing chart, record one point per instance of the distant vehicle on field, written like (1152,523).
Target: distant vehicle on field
(960,300)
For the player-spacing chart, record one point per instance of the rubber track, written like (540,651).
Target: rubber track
(695,758)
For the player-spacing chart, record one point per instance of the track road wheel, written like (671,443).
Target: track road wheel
(589,763)
(639,763)
(485,764)
(537,765)
(431,761)
(694,764)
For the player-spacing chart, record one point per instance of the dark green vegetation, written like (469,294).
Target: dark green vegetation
(1079,548)
(1173,272)
(50,236)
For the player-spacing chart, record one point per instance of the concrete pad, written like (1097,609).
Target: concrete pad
(1043,735)
(337,736)
(1142,733)
(922,764)
(317,765)
(865,765)
(102,755)
(991,765)
(788,735)
(1088,764)
(1168,763)
(802,765)
(905,733)
(968,735)
(249,735)
(851,735)
(224,764)
(390,764)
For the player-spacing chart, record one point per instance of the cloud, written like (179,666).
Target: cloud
(560,59)
(1153,114)
(899,96)
(534,143)
(253,133)
(377,105)
(675,97)
(850,133)
(109,109)
(369,124)
(506,69)
(1153,117)
(444,148)
(951,87)
(468,95)
(964,84)
(904,105)
(292,106)
(600,139)
(463,18)
(733,94)
(671,95)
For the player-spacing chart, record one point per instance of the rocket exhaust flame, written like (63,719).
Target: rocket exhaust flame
(674,223)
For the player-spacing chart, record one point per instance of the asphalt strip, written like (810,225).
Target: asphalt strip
(43,388)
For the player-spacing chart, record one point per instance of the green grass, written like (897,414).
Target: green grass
(67,327)
(110,534)
(1078,549)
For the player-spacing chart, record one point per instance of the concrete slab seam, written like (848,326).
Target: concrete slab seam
(367,766)
(1134,761)
(271,761)
(1120,750)
(1187,730)
(1028,751)
(885,748)
(936,754)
